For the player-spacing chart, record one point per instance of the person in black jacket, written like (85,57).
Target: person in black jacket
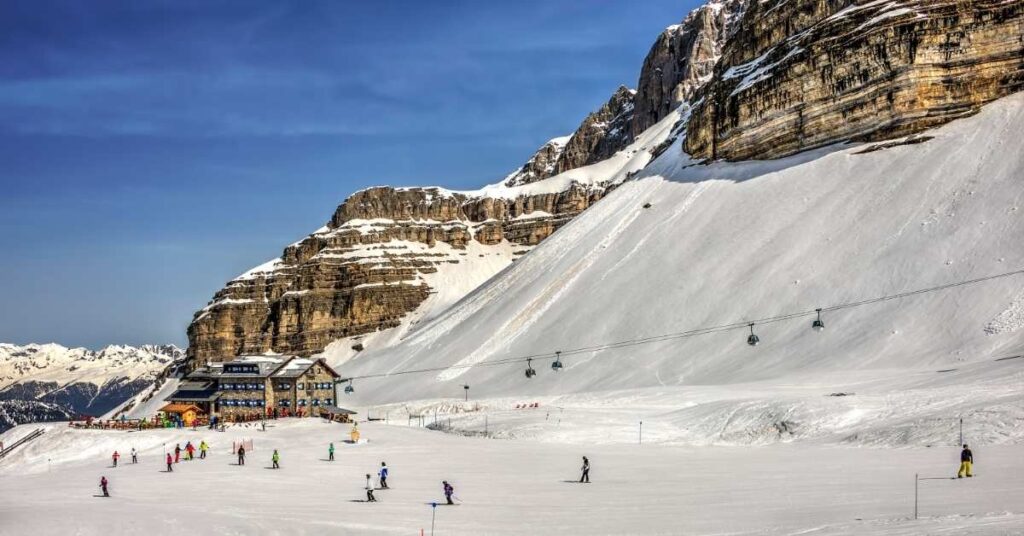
(966,463)
(585,476)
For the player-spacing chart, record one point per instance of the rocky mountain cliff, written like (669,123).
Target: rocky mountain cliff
(388,252)
(800,74)
(40,381)
(683,59)
(764,79)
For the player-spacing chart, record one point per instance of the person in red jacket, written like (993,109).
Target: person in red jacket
(177,453)
(115,458)
(189,450)
(103,486)
(170,463)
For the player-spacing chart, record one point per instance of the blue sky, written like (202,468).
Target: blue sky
(151,151)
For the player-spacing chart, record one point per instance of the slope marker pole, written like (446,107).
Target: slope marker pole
(916,480)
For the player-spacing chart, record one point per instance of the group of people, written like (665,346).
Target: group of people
(117,456)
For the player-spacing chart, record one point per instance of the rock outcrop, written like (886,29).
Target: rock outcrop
(601,134)
(800,74)
(682,60)
(373,264)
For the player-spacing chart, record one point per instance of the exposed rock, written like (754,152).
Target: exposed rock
(801,74)
(601,134)
(682,60)
(370,266)
(598,137)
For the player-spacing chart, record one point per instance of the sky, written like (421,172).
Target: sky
(150,151)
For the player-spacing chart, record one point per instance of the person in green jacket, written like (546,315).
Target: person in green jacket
(330,453)
(276,458)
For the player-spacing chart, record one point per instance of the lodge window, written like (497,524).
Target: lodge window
(316,401)
(284,403)
(302,401)
(328,401)
(302,386)
(284,385)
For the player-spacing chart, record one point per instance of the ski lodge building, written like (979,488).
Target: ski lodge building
(255,387)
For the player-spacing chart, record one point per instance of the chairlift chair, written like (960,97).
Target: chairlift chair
(529,369)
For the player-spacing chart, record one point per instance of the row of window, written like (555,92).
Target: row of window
(248,403)
(302,385)
(302,402)
(327,385)
(240,386)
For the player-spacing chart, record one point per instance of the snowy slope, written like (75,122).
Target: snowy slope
(503,487)
(725,243)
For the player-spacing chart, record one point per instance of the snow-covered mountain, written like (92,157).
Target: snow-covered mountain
(50,379)
(887,182)
(391,257)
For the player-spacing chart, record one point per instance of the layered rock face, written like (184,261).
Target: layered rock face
(371,266)
(386,250)
(599,136)
(683,59)
(800,74)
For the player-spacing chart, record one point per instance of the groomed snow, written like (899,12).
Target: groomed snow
(504,487)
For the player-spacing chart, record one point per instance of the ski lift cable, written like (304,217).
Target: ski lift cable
(698,331)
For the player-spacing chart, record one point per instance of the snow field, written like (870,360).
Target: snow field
(506,487)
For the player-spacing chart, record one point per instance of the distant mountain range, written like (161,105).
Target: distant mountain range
(46,382)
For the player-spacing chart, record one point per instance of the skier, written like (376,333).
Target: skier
(585,476)
(966,463)
(135,455)
(241,455)
(203,447)
(190,449)
(103,486)
(369,489)
(177,452)
(383,474)
(448,491)
(275,459)
(170,463)
(330,452)
(115,457)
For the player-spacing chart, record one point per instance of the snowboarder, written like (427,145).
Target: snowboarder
(115,458)
(135,455)
(189,451)
(177,452)
(203,447)
(170,463)
(275,459)
(585,476)
(383,474)
(330,452)
(448,491)
(369,489)
(103,486)
(241,455)
(966,463)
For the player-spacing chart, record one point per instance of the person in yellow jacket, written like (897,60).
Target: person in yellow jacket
(203,447)
(966,463)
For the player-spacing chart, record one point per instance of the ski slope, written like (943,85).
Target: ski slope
(731,242)
(504,487)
